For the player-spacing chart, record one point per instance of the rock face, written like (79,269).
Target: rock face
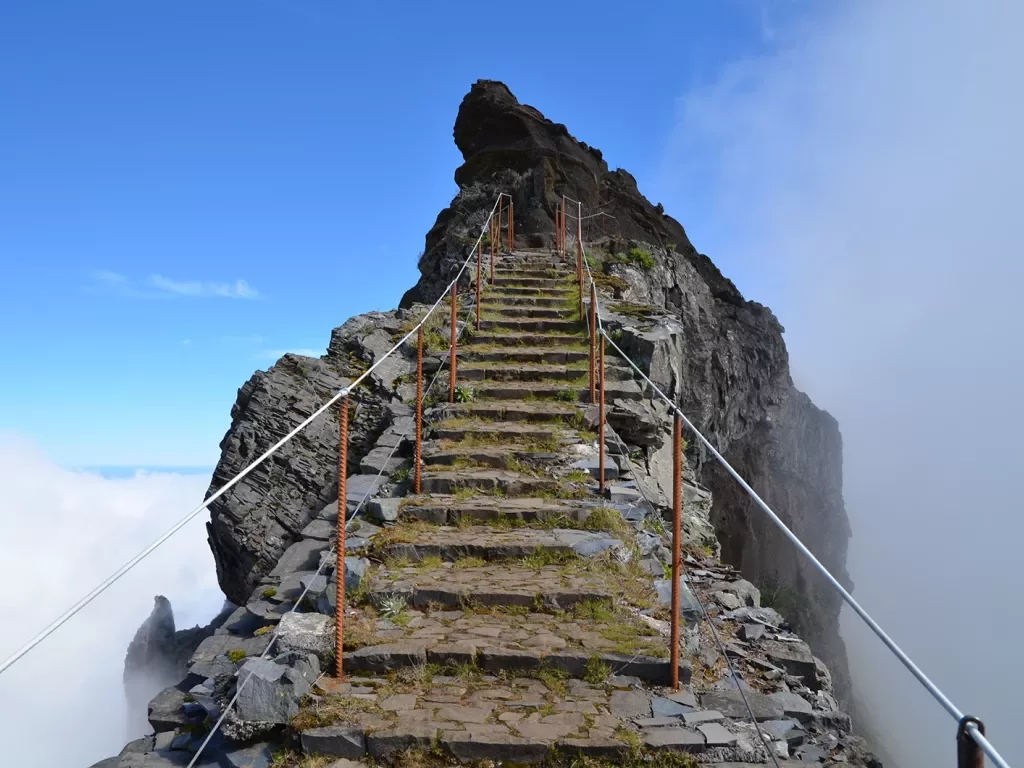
(257,520)
(157,657)
(515,610)
(719,356)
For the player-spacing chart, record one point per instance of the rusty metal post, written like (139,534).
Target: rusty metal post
(419,411)
(501,211)
(562,229)
(511,226)
(455,340)
(677,527)
(600,416)
(968,753)
(593,343)
(339,570)
(479,271)
(579,272)
(558,228)
(579,251)
(494,237)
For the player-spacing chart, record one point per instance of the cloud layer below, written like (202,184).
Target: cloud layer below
(870,176)
(64,532)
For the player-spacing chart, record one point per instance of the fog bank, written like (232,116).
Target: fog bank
(62,533)
(867,181)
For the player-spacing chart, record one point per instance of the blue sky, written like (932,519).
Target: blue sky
(191,188)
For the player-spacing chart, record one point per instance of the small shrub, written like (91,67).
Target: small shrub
(638,256)
(605,519)
(235,655)
(401,475)
(596,671)
(464,394)
(578,476)
(391,607)
(567,395)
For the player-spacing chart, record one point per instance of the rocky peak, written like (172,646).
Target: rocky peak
(512,147)
(720,357)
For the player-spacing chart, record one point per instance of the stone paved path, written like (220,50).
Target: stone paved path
(503,616)
(510,613)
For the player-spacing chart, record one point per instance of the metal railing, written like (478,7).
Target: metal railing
(972,744)
(342,395)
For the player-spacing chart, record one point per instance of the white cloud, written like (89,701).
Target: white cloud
(64,532)
(869,173)
(160,287)
(239,289)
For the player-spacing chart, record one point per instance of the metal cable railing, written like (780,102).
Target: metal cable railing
(341,395)
(707,619)
(339,567)
(970,730)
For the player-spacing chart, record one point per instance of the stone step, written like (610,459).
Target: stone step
(495,311)
(532,282)
(452,544)
(512,645)
(514,340)
(477,717)
(548,273)
(569,391)
(506,432)
(530,259)
(517,411)
(439,480)
(446,509)
(520,371)
(563,293)
(520,355)
(521,325)
(495,457)
(492,301)
(548,588)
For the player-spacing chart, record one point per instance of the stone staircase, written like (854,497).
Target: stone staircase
(506,615)
(510,614)
(505,604)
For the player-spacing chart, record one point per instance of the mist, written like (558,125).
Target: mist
(867,179)
(63,705)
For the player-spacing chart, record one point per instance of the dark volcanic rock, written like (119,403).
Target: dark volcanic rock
(157,657)
(512,147)
(257,520)
(721,357)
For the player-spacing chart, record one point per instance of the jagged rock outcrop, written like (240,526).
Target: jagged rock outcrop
(721,357)
(253,524)
(157,657)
